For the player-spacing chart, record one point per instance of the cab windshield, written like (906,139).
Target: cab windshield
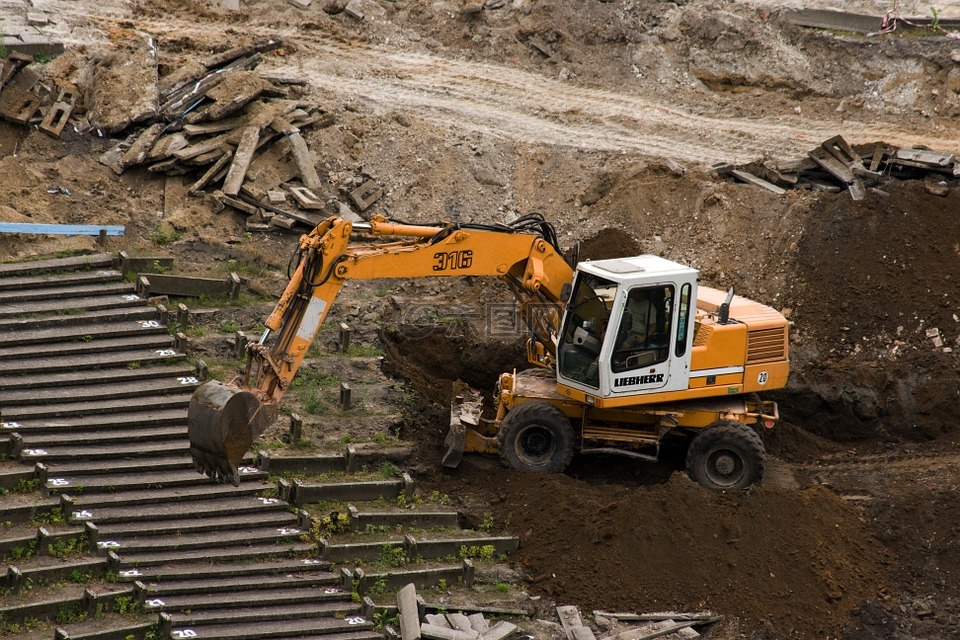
(588,315)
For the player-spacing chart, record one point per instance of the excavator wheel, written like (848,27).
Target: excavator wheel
(536,436)
(726,455)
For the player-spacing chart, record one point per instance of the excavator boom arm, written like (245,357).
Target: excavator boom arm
(224,419)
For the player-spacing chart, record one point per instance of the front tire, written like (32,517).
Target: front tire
(727,455)
(536,436)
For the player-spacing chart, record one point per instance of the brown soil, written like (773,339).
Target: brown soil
(573,109)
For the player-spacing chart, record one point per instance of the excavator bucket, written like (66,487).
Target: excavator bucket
(464,416)
(222,423)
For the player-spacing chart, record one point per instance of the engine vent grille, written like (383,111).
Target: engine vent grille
(703,334)
(766,345)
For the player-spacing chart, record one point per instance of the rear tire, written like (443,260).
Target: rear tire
(536,436)
(727,455)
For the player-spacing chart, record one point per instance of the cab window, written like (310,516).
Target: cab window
(588,315)
(643,333)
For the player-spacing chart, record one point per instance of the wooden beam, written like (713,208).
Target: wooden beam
(241,160)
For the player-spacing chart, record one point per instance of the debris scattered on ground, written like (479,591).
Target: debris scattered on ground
(835,166)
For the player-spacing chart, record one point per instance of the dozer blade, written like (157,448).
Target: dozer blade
(222,423)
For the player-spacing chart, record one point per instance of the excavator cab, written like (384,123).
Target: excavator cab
(627,327)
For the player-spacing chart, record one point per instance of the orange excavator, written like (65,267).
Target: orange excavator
(623,352)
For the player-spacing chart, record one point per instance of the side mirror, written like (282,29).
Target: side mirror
(565,292)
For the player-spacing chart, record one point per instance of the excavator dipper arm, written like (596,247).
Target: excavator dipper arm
(225,419)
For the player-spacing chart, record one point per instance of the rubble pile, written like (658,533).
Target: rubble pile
(237,133)
(230,130)
(835,166)
(26,100)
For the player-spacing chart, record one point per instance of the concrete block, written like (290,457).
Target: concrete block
(300,4)
(409,615)
(37,18)
(434,632)
(500,631)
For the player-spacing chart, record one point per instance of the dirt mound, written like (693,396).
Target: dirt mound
(875,316)
(794,562)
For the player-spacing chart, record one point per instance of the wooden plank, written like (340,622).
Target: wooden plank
(301,155)
(926,157)
(746,176)
(238,204)
(212,171)
(831,165)
(662,629)
(207,128)
(60,229)
(241,160)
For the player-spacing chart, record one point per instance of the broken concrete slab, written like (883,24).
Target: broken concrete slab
(300,4)
(304,160)
(125,90)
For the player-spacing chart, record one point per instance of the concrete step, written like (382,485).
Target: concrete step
(66,293)
(351,628)
(101,391)
(210,543)
(212,505)
(107,436)
(165,496)
(122,420)
(21,414)
(254,596)
(48,570)
(200,522)
(227,570)
(59,379)
(82,333)
(236,584)
(367,490)
(17,283)
(336,608)
(69,306)
(134,481)
(262,552)
(31,607)
(143,311)
(152,341)
(420,519)
(132,358)
(74,452)
(73,263)
(100,628)
(143,464)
